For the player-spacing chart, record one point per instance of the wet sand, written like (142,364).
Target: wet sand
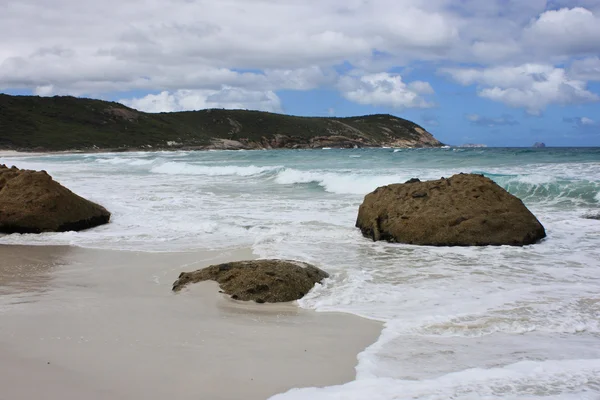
(97,324)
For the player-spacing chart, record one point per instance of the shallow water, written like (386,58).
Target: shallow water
(488,322)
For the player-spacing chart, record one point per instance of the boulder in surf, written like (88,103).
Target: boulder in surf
(590,215)
(32,202)
(463,210)
(264,281)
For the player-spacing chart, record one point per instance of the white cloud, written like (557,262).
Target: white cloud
(299,79)
(187,100)
(529,86)
(91,48)
(153,45)
(586,69)
(564,32)
(106,76)
(587,121)
(492,51)
(419,87)
(583,123)
(384,89)
(45,90)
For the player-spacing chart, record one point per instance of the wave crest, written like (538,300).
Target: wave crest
(182,168)
(548,189)
(335,182)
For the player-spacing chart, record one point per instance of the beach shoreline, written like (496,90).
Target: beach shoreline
(98,324)
(16,153)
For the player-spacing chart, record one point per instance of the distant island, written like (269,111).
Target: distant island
(539,145)
(472,145)
(65,123)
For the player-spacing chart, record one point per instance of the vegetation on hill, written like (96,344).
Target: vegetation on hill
(31,123)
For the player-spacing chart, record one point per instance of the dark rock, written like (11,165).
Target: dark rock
(463,210)
(413,180)
(270,281)
(592,216)
(32,202)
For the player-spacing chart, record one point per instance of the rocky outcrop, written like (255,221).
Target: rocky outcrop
(32,202)
(421,139)
(270,281)
(539,145)
(463,210)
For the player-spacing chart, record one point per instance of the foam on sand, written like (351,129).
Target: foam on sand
(556,379)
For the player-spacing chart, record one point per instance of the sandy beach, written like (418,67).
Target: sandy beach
(97,324)
(11,153)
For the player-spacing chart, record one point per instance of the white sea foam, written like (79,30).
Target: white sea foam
(550,379)
(457,320)
(125,161)
(334,182)
(182,168)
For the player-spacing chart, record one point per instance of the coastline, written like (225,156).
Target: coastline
(14,153)
(99,324)
(11,153)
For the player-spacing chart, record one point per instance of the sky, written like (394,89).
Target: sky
(496,72)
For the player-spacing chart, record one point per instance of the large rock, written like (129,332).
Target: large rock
(269,281)
(464,210)
(32,202)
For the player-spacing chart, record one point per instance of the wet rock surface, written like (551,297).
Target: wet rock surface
(463,210)
(264,281)
(590,215)
(32,202)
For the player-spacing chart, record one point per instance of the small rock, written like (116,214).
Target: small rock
(592,216)
(264,281)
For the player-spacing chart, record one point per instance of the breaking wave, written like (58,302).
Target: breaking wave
(544,189)
(335,182)
(125,161)
(182,168)
(530,188)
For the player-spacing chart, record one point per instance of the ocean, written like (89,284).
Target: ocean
(461,322)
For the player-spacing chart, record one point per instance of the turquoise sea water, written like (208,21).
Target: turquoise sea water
(462,323)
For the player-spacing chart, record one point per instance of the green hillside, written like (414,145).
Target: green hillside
(58,123)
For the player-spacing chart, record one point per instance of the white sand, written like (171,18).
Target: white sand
(91,324)
(11,153)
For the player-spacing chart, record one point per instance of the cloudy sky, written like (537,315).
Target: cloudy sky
(499,72)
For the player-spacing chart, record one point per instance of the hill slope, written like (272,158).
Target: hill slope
(67,123)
